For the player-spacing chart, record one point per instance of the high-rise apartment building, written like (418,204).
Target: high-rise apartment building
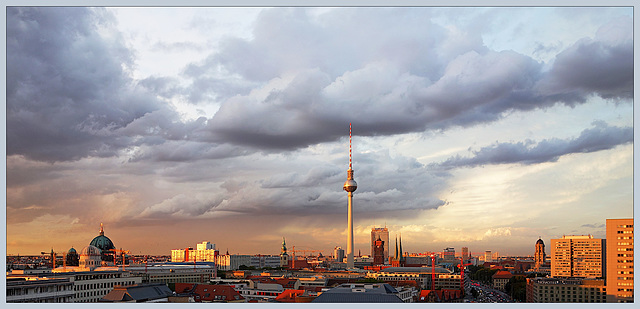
(338,254)
(619,260)
(465,254)
(449,255)
(383,234)
(578,256)
(488,257)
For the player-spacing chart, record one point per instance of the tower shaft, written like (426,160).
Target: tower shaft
(350,231)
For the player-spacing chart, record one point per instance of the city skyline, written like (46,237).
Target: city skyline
(477,127)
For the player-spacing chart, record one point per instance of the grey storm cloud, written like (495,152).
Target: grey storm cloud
(600,137)
(385,93)
(67,88)
(296,82)
(386,183)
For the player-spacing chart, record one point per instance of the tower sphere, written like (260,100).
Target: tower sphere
(350,185)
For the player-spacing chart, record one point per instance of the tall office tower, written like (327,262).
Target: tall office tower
(378,252)
(539,255)
(577,256)
(449,255)
(383,234)
(338,254)
(619,260)
(487,256)
(350,186)
(465,254)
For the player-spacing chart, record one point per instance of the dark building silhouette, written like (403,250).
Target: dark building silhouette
(539,256)
(378,251)
(73,258)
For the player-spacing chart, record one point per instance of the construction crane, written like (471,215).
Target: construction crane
(53,258)
(304,252)
(433,273)
(462,266)
(116,252)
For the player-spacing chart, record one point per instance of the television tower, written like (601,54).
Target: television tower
(350,185)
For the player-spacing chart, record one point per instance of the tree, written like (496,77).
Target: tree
(517,288)
(474,292)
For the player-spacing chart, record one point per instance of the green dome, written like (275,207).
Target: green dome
(102,242)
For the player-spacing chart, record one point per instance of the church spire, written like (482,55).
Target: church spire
(101,229)
(401,252)
(397,248)
(283,250)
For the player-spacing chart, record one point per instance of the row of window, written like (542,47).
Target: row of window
(37,290)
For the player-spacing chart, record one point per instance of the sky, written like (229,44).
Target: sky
(479,127)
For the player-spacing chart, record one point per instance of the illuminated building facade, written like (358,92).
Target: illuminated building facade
(383,234)
(205,252)
(577,256)
(620,260)
(560,290)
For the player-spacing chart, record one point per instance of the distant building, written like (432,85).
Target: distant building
(233,261)
(577,256)
(284,256)
(200,272)
(449,255)
(378,252)
(72,258)
(501,278)
(204,252)
(444,278)
(338,254)
(383,234)
(209,292)
(570,290)
(465,254)
(360,293)
(262,261)
(487,256)
(440,296)
(539,255)
(106,246)
(399,259)
(619,260)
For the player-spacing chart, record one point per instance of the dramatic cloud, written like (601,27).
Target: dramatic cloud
(600,137)
(219,117)
(302,101)
(293,84)
(67,86)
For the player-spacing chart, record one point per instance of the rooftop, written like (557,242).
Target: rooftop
(360,293)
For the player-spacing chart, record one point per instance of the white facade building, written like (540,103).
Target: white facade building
(204,252)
